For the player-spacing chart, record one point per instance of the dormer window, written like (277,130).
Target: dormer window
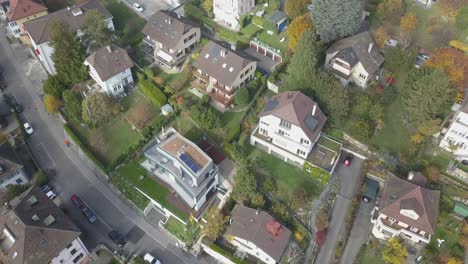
(285,124)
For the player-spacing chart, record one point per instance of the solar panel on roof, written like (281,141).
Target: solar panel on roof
(189,162)
(311,122)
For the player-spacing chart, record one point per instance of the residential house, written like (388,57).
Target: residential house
(424,3)
(39,30)
(220,71)
(35,230)
(170,38)
(4,4)
(110,67)
(20,11)
(290,125)
(228,12)
(354,59)
(455,138)
(407,208)
(257,233)
(182,165)
(11,170)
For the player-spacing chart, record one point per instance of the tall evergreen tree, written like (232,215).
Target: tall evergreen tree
(96,34)
(336,18)
(69,54)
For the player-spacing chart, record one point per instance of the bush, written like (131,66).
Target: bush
(53,86)
(40,178)
(242,96)
(153,93)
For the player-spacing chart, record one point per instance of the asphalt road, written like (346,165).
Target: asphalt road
(149,6)
(349,179)
(74,176)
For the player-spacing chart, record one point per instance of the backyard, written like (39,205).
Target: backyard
(186,233)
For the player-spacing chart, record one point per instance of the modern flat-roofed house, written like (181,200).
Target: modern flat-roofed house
(407,209)
(20,11)
(220,71)
(257,233)
(170,38)
(33,230)
(110,67)
(354,59)
(290,124)
(228,12)
(182,165)
(455,138)
(39,30)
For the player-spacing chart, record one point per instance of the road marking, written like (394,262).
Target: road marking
(51,159)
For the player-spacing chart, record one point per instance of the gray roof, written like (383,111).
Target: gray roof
(371,189)
(401,194)
(167,27)
(296,108)
(277,17)
(8,160)
(211,61)
(109,61)
(40,28)
(41,228)
(359,44)
(261,229)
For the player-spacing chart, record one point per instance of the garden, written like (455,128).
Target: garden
(185,233)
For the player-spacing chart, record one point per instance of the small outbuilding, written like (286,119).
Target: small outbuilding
(280,19)
(371,189)
(460,210)
(167,109)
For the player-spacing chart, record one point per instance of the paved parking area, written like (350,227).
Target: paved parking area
(150,6)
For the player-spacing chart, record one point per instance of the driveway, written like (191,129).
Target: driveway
(74,175)
(359,233)
(349,181)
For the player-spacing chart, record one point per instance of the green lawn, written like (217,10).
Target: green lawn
(274,40)
(133,174)
(230,119)
(330,144)
(129,191)
(186,233)
(128,24)
(250,30)
(288,177)
(370,253)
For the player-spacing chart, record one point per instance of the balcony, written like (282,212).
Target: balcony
(223,89)
(340,74)
(149,42)
(226,102)
(200,85)
(406,230)
(201,76)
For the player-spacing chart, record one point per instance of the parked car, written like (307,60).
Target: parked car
(89,214)
(423,56)
(77,201)
(348,160)
(49,191)
(150,259)
(17,108)
(138,7)
(117,238)
(28,128)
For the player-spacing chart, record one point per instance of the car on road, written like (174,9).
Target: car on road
(28,128)
(150,259)
(77,201)
(348,160)
(89,214)
(17,108)
(117,238)
(138,7)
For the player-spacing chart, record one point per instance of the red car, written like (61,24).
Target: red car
(347,161)
(77,201)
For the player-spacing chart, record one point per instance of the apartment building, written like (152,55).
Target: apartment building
(228,12)
(455,137)
(20,11)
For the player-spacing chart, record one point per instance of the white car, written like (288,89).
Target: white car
(150,259)
(138,7)
(28,128)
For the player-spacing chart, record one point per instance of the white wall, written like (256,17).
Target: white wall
(379,227)
(457,134)
(12,179)
(227,12)
(14,29)
(115,85)
(252,249)
(66,256)
(359,69)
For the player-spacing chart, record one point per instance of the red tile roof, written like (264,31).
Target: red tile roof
(23,8)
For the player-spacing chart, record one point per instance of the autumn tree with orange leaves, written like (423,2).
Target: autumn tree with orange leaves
(408,24)
(381,36)
(296,28)
(454,63)
(451,7)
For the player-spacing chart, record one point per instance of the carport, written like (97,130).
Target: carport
(371,188)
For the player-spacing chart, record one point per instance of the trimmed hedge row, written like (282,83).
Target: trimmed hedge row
(225,253)
(152,92)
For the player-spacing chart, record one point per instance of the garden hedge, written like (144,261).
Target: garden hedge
(152,92)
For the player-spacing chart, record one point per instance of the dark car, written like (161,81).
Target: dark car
(89,214)
(347,161)
(117,238)
(77,201)
(17,108)
(464,162)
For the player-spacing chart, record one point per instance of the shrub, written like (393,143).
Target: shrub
(159,80)
(153,93)
(40,178)
(149,72)
(54,86)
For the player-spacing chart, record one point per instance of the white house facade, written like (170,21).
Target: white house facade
(228,12)
(455,138)
(289,126)
(74,253)
(11,173)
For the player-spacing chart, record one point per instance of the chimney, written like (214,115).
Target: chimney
(371,45)
(108,47)
(168,20)
(314,109)
(411,175)
(178,16)
(233,47)
(256,212)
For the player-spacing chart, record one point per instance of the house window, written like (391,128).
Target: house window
(304,141)
(19,181)
(300,152)
(413,229)
(264,123)
(75,260)
(285,124)
(69,246)
(362,76)
(12,24)
(17,31)
(281,132)
(73,251)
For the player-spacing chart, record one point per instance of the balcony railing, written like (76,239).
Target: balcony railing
(223,89)
(204,77)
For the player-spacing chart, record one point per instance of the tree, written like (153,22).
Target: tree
(393,252)
(391,10)
(53,86)
(454,63)
(51,103)
(465,235)
(297,28)
(269,185)
(207,5)
(295,8)
(96,34)
(280,210)
(72,105)
(397,60)
(326,12)
(321,219)
(417,139)
(149,72)
(245,185)
(68,55)
(257,200)
(425,93)
(299,198)
(429,127)
(361,129)
(461,21)
(408,24)
(454,260)
(432,173)
(381,36)
(451,7)
(99,107)
(216,223)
